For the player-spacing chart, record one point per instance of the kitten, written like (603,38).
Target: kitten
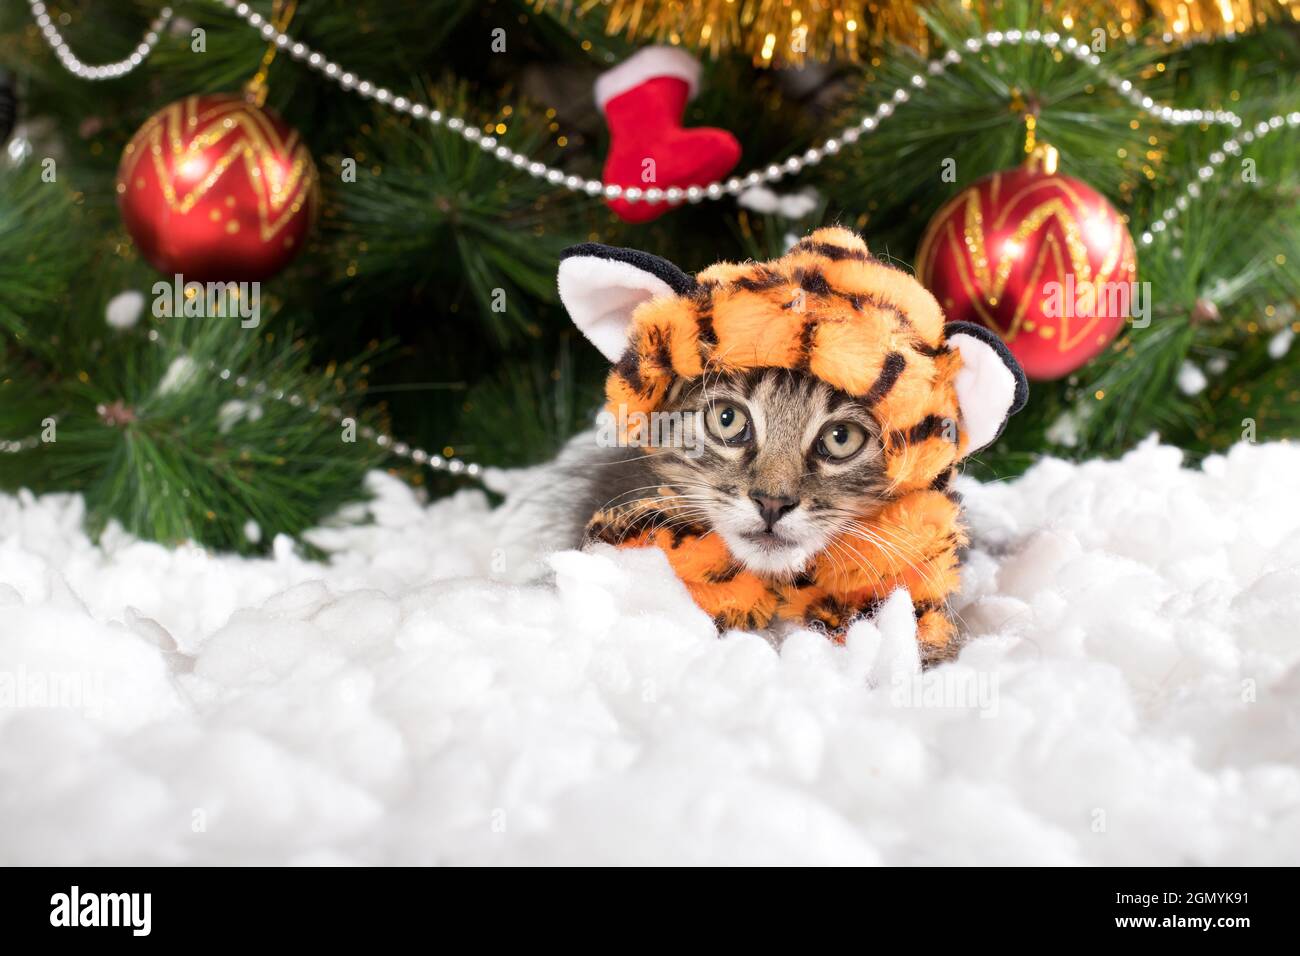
(774,461)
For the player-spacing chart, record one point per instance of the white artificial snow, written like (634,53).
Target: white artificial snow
(233,412)
(1064,431)
(791,206)
(179,376)
(1130,693)
(1280,343)
(124,309)
(1191,380)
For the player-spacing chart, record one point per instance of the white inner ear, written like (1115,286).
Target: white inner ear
(600,296)
(985,390)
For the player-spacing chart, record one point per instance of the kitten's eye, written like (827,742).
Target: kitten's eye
(841,440)
(728,423)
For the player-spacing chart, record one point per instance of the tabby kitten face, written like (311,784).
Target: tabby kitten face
(781,463)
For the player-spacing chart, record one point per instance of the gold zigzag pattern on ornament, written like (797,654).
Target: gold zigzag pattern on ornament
(985,287)
(180,133)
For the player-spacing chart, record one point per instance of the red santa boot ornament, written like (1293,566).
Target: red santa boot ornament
(644,99)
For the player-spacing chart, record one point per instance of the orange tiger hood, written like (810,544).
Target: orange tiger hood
(828,308)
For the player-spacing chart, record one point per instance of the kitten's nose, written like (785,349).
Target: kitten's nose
(772,507)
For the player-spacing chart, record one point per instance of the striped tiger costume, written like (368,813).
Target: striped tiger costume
(828,308)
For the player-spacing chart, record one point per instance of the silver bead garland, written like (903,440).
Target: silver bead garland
(418,456)
(1229,147)
(105,71)
(400,449)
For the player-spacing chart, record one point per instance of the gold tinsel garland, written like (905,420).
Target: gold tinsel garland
(777,32)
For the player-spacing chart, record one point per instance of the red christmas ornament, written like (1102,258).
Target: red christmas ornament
(1040,258)
(216,188)
(644,99)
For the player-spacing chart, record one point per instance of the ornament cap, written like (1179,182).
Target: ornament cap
(1043,158)
(255,90)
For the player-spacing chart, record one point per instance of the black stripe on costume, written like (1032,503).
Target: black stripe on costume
(889,373)
(659,341)
(724,576)
(929,351)
(834,253)
(812,280)
(927,427)
(942,480)
(681,532)
(806,336)
(762,279)
(629,368)
(704,330)
(922,608)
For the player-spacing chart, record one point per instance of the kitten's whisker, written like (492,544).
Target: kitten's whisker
(633,491)
(882,533)
(924,567)
(854,558)
(675,519)
(865,534)
(883,585)
(889,547)
(927,572)
(838,553)
(622,461)
(891,535)
(946,606)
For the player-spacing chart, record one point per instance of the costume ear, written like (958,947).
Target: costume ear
(991,386)
(601,286)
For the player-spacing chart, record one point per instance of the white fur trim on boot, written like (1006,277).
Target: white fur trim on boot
(647,64)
